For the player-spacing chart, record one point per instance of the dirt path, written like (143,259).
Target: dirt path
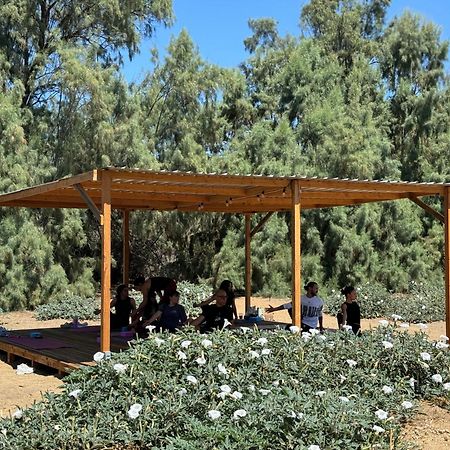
(430,429)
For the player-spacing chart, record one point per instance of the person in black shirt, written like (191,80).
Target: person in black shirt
(228,287)
(125,307)
(350,312)
(214,316)
(171,316)
(150,287)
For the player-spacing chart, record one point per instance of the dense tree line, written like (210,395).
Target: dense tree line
(350,96)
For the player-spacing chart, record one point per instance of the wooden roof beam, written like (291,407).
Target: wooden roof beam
(436,214)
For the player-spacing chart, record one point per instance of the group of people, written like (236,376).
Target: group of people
(311,306)
(168,315)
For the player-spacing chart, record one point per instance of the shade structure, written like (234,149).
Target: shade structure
(102,190)
(185,191)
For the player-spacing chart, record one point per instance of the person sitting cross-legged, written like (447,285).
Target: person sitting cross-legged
(214,316)
(171,316)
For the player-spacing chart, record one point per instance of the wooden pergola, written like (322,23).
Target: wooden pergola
(102,190)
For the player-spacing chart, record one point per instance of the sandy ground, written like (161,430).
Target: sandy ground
(430,429)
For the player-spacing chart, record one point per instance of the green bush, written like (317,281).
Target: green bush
(236,391)
(68,306)
(190,294)
(423,302)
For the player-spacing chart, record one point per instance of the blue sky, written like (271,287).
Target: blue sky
(219,27)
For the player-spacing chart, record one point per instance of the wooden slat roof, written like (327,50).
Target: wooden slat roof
(186,191)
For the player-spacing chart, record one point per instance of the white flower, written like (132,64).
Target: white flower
(294,329)
(181,355)
(186,344)
(396,317)
(221,368)
(351,362)
(150,328)
(182,391)
(387,389)
(387,344)
(407,405)
(158,341)
(206,343)
(443,338)
(313,447)
(378,429)
(313,331)
(446,386)
(266,351)
(264,391)
(245,330)
(321,393)
(382,415)
(239,413)
(422,326)
(306,336)
(254,354)
(342,378)
(383,323)
(300,415)
(200,361)
(344,399)
(3,431)
(262,341)
(213,414)
(236,395)
(99,356)
(404,325)
(441,345)
(222,395)
(75,393)
(120,368)
(411,382)
(17,414)
(425,356)
(192,379)
(276,383)
(347,328)
(225,388)
(252,388)
(226,323)
(134,410)
(437,378)
(292,414)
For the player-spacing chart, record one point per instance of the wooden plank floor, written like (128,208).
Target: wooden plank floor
(81,346)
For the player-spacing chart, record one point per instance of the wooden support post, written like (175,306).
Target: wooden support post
(248,262)
(446,208)
(296,254)
(106,262)
(126,247)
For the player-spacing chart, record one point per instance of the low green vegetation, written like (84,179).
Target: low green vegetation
(242,391)
(69,306)
(422,302)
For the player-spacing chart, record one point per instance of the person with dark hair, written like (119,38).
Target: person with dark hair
(311,308)
(171,316)
(214,316)
(151,287)
(350,313)
(228,287)
(125,307)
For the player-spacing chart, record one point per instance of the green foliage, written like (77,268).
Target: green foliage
(422,302)
(68,306)
(190,294)
(351,96)
(264,385)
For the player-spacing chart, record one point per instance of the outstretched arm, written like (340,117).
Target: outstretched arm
(274,308)
(152,319)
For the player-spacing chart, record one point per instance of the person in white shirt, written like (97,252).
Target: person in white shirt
(311,308)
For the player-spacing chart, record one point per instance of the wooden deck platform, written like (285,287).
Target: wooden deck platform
(63,349)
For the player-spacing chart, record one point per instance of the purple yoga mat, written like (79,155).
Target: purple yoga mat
(37,344)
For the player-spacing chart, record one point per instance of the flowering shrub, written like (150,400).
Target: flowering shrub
(67,307)
(424,302)
(243,391)
(191,293)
